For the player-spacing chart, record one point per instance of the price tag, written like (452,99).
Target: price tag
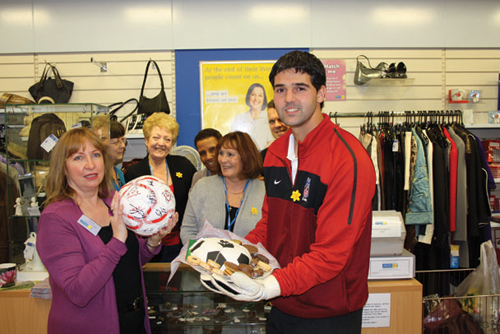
(49,143)
(33,211)
(29,251)
(395,145)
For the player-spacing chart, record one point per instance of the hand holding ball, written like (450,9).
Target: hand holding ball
(148,205)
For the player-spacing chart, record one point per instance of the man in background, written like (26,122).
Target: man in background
(205,142)
(277,127)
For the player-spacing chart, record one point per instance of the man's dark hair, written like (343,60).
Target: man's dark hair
(207,133)
(271,104)
(302,62)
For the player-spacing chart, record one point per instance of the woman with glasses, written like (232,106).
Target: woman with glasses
(118,144)
(112,133)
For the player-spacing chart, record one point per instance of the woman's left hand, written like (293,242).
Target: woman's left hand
(155,239)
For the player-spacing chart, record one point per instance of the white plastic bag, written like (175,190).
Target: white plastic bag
(484,282)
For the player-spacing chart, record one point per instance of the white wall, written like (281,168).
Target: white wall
(445,44)
(123,79)
(40,26)
(431,73)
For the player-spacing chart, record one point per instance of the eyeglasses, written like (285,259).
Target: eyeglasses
(118,141)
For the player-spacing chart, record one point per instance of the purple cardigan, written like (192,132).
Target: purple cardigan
(80,270)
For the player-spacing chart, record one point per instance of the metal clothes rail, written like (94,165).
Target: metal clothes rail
(410,116)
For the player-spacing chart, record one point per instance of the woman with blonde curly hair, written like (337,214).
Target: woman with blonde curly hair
(160,135)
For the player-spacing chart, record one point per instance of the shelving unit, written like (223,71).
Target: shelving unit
(485,131)
(28,179)
(387,88)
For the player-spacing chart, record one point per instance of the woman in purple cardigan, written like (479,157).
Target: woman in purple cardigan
(94,261)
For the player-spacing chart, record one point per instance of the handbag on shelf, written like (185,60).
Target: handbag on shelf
(43,126)
(51,90)
(159,103)
(135,124)
(118,105)
(8,98)
(132,122)
(363,74)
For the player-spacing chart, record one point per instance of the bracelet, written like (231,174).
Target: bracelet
(156,246)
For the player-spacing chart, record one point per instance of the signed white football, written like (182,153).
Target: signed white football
(148,204)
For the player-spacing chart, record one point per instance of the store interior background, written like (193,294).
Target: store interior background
(445,44)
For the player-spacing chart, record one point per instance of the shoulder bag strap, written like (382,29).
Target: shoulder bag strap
(370,65)
(118,105)
(44,76)
(57,77)
(146,75)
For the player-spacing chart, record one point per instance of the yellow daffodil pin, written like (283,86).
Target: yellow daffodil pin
(295,195)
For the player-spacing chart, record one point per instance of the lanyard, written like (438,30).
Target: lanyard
(230,222)
(153,173)
(117,182)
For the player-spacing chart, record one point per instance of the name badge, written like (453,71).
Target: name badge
(89,224)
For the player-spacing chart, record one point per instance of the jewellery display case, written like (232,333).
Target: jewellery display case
(28,144)
(186,307)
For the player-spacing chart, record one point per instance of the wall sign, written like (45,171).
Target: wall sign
(377,310)
(224,90)
(335,79)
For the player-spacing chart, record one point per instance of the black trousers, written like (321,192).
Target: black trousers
(282,323)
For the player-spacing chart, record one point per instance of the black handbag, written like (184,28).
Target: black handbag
(364,74)
(118,105)
(55,90)
(158,103)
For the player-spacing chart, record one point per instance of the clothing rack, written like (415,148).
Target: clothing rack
(410,116)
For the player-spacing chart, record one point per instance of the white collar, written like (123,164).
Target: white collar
(293,157)
(291,148)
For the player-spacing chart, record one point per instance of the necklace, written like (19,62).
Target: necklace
(230,222)
(153,172)
(234,192)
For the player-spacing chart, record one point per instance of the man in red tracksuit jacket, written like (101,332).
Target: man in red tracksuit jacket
(317,215)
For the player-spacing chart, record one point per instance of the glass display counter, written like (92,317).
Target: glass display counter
(185,306)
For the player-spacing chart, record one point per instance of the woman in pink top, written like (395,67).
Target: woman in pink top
(94,261)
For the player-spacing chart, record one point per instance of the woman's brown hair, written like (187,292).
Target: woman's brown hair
(251,159)
(56,183)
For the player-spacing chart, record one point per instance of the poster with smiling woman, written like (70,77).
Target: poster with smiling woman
(234,97)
